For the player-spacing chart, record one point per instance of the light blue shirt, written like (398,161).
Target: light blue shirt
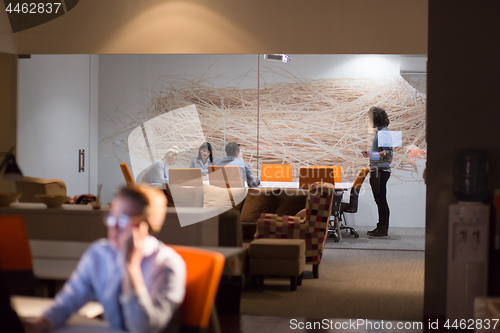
(156,173)
(100,276)
(198,163)
(383,164)
(246,174)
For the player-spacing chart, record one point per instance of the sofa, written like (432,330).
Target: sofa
(248,203)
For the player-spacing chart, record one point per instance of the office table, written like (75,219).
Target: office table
(32,307)
(54,261)
(233,278)
(338,186)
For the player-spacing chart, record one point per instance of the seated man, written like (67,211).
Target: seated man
(232,151)
(158,171)
(139,281)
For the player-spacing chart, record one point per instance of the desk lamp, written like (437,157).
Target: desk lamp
(12,171)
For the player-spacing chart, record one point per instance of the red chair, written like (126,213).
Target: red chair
(15,256)
(204,271)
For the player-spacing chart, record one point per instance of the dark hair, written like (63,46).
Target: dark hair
(136,196)
(379,117)
(208,146)
(232,148)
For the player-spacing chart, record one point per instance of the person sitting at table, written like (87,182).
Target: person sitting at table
(139,281)
(204,159)
(232,151)
(157,173)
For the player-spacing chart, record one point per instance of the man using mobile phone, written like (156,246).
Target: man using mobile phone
(139,281)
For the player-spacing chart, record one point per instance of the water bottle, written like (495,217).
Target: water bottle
(470,175)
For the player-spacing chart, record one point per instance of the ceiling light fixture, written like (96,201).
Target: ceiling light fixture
(278,57)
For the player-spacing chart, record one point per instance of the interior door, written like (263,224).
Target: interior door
(53,119)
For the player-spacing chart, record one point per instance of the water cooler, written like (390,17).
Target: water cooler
(468,235)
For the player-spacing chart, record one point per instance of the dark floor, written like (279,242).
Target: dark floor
(263,324)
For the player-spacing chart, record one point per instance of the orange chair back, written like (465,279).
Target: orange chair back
(15,253)
(204,270)
(324,174)
(361,178)
(126,173)
(276,173)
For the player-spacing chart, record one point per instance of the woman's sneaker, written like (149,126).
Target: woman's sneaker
(378,234)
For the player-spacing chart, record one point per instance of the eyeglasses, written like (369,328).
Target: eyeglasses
(122,221)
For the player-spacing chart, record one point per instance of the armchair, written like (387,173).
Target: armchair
(313,227)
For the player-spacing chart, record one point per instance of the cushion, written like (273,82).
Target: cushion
(258,201)
(270,248)
(287,267)
(218,197)
(291,201)
(187,196)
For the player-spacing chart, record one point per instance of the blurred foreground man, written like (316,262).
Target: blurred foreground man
(139,280)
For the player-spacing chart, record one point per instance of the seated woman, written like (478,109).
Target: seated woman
(204,159)
(158,172)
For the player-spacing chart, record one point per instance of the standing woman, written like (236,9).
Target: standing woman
(380,156)
(204,159)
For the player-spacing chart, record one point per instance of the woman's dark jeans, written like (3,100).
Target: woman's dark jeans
(378,182)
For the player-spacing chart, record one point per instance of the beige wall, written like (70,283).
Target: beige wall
(8,91)
(233,26)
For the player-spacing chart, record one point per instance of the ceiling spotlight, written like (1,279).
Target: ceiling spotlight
(278,57)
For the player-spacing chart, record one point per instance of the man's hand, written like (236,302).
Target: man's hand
(139,235)
(40,325)
(133,253)
(365,153)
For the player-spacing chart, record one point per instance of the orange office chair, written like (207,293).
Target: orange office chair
(204,271)
(352,205)
(337,173)
(321,174)
(276,173)
(15,256)
(126,173)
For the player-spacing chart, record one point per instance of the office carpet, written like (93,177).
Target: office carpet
(399,239)
(361,284)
